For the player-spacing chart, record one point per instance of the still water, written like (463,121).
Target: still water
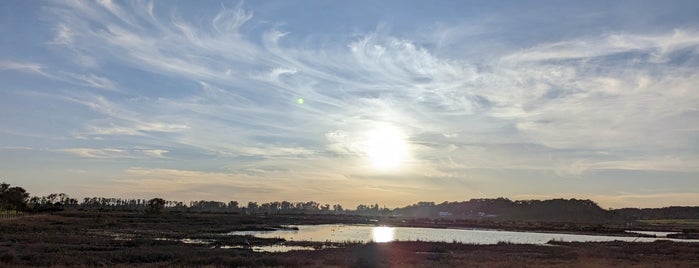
(368,233)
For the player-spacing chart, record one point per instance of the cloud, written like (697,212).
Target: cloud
(120,119)
(113,153)
(658,46)
(179,184)
(64,36)
(98,153)
(22,66)
(155,153)
(21,148)
(89,80)
(135,128)
(223,84)
(548,93)
(176,184)
(95,81)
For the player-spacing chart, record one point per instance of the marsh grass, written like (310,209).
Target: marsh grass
(117,239)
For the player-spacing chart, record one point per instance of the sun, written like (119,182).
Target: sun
(386,148)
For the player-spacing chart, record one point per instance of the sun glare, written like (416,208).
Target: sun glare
(382,234)
(386,148)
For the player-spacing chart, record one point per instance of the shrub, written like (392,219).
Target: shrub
(8,256)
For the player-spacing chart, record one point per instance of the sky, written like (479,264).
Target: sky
(349,102)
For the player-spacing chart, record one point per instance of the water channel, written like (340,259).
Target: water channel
(369,233)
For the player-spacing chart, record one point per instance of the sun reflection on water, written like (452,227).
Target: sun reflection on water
(382,234)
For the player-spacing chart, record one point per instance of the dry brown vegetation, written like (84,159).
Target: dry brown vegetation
(76,238)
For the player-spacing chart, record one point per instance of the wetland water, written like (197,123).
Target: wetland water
(368,233)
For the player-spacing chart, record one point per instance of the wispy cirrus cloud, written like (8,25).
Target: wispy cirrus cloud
(223,83)
(64,36)
(21,66)
(114,153)
(655,46)
(94,81)
(88,80)
(535,94)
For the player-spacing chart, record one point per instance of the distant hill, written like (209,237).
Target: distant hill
(554,210)
(658,213)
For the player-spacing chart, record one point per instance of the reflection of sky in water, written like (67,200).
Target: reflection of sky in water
(382,234)
(658,234)
(367,233)
(272,248)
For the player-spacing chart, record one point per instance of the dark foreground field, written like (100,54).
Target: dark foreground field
(111,239)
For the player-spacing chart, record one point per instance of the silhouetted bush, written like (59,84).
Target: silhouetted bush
(8,256)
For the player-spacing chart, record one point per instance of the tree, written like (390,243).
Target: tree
(13,198)
(156,205)
(325,208)
(286,206)
(362,209)
(233,205)
(252,207)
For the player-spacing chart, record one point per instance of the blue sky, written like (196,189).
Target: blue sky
(403,101)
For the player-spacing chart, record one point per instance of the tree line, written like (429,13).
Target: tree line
(554,210)
(18,199)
